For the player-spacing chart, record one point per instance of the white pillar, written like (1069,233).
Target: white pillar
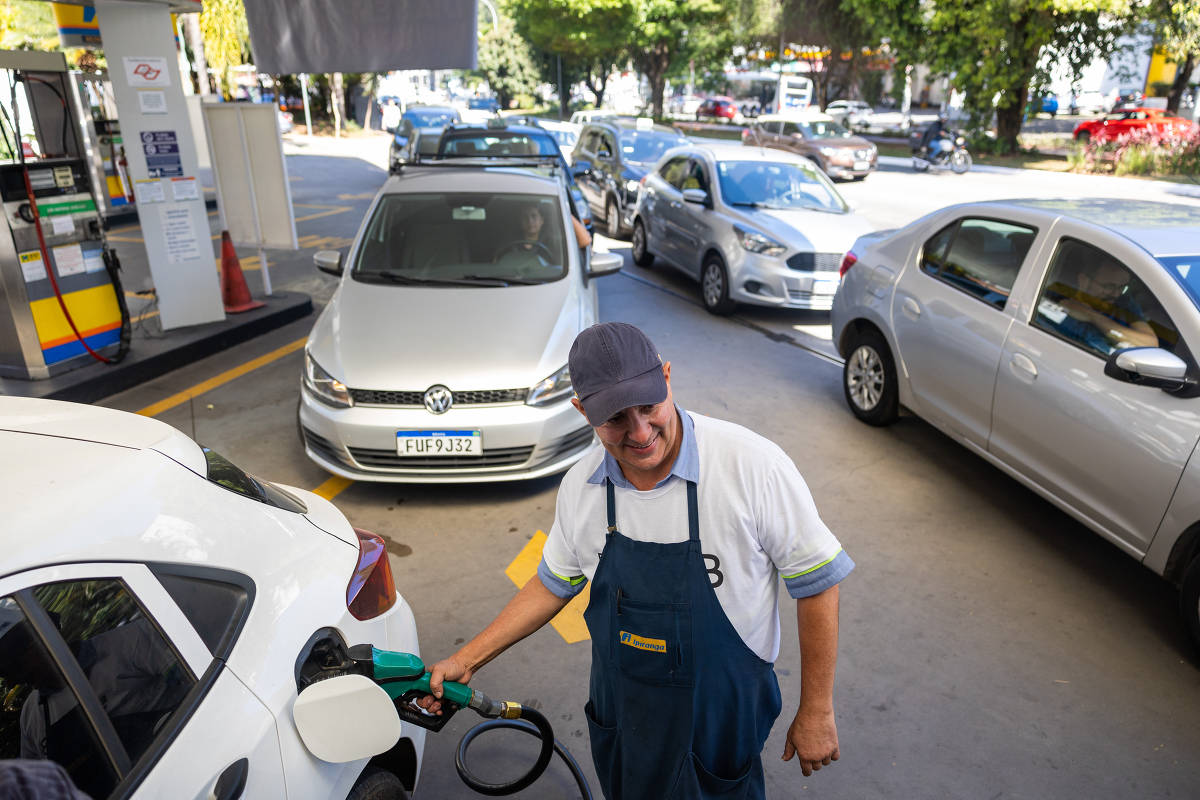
(139,44)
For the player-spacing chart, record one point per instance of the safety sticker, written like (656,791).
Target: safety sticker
(642,643)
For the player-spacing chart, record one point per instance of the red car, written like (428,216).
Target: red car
(1127,120)
(719,109)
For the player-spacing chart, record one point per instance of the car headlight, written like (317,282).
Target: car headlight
(326,387)
(552,389)
(632,186)
(756,242)
(828,151)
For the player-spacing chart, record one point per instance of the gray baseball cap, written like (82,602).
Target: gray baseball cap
(613,367)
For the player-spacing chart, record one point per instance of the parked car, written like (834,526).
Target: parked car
(1056,339)
(610,159)
(685,104)
(153,631)
(582,118)
(719,109)
(483,104)
(1110,126)
(816,136)
(750,225)
(565,133)
(442,356)
(1088,103)
(1046,104)
(852,114)
(415,123)
(511,136)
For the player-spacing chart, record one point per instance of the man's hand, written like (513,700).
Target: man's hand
(813,737)
(448,669)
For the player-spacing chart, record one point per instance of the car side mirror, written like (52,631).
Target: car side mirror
(328,261)
(580,168)
(346,718)
(1149,366)
(604,264)
(697,196)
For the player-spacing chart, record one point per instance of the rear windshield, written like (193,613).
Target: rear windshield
(497,143)
(1186,270)
(226,474)
(433,118)
(644,147)
(462,239)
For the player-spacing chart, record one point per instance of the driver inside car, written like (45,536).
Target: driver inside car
(532,221)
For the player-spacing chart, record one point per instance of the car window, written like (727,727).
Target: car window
(791,129)
(1094,301)
(645,147)
(591,141)
(674,171)
(227,475)
(823,129)
(497,143)
(1186,271)
(432,118)
(979,256)
(696,178)
(463,239)
(40,717)
(778,185)
(607,144)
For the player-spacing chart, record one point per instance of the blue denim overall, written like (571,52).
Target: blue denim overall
(679,706)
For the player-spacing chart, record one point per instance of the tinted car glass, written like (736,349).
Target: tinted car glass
(1095,302)
(776,185)
(136,674)
(497,143)
(983,259)
(642,147)
(460,239)
(696,177)
(822,129)
(40,717)
(226,474)
(1185,270)
(674,171)
(431,119)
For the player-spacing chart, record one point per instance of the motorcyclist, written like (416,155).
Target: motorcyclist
(933,133)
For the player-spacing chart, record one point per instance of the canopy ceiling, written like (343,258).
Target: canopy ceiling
(292,36)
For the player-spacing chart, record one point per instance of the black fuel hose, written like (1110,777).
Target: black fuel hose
(535,724)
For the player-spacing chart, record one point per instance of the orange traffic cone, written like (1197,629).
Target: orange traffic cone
(234,292)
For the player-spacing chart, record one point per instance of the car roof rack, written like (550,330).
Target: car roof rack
(484,160)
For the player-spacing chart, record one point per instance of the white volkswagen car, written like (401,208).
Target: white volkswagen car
(442,356)
(160,610)
(752,225)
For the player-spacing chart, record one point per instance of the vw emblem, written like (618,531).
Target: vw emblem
(438,399)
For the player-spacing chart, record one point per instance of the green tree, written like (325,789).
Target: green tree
(27,25)
(669,33)
(226,38)
(590,36)
(506,62)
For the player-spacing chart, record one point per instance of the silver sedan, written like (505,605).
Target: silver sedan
(1057,340)
(751,225)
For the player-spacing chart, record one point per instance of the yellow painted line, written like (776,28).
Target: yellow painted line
(569,622)
(131,239)
(220,380)
(332,487)
(329,212)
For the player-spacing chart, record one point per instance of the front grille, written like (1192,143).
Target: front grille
(572,441)
(387,459)
(323,447)
(816,262)
(481,397)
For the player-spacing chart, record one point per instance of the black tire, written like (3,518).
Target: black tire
(1189,599)
(612,219)
(377,784)
(869,380)
(641,245)
(714,286)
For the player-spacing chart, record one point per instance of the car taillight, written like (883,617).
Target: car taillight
(847,263)
(371,591)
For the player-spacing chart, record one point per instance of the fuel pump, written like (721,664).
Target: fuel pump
(59,282)
(105,149)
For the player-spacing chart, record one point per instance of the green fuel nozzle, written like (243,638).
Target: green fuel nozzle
(404,677)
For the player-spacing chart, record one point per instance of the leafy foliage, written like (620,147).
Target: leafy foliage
(506,62)
(226,38)
(669,33)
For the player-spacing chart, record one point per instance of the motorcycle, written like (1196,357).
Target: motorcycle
(948,149)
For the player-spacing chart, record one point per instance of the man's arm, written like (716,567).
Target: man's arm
(530,609)
(813,734)
(1117,333)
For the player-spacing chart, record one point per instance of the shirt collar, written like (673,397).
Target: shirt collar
(686,466)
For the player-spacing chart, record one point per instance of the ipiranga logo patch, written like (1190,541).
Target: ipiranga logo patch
(642,643)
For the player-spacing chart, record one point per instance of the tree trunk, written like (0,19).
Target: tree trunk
(597,85)
(338,101)
(1182,73)
(1008,123)
(191,27)
(655,64)
(370,100)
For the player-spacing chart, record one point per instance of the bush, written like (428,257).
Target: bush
(1145,151)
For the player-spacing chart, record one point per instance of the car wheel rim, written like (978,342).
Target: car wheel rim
(614,224)
(639,241)
(714,285)
(865,378)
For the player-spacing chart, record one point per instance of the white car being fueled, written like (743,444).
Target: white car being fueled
(161,610)
(442,356)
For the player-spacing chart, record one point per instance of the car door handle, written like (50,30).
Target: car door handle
(1023,367)
(232,782)
(911,307)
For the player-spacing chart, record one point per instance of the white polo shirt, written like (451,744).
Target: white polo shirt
(757,520)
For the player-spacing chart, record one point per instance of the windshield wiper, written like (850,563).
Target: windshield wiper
(504,281)
(750,204)
(408,280)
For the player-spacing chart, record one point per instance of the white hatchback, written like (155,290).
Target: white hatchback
(160,610)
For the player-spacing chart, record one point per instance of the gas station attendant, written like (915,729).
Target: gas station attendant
(684,525)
